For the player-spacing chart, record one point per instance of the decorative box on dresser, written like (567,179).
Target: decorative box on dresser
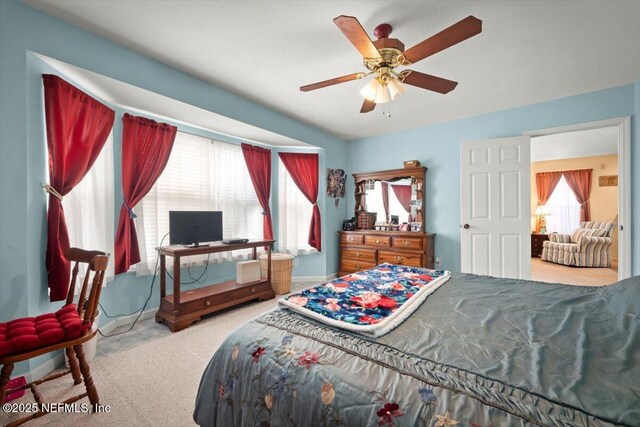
(364,249)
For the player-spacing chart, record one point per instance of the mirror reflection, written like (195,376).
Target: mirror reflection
(391,201)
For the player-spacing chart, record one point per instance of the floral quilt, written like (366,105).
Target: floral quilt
(370,302)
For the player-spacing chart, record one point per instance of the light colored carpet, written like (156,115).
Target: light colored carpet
(154,384)
(543,271)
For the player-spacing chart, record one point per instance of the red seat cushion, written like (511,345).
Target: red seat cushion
(31,333)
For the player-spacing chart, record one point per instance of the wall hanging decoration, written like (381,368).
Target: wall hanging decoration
(608,181)
(336,181)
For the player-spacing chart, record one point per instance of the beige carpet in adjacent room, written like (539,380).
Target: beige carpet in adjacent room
(544,271)
(154,384)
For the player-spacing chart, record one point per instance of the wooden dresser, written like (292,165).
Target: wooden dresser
(364,249)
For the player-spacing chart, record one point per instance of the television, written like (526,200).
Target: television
(194,227)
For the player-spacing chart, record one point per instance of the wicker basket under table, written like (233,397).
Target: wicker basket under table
(281,266)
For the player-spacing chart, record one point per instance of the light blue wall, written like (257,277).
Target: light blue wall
(438,148)
(22,152)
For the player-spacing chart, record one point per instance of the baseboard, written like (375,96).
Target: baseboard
(45,368)
(304,279)
(124,321)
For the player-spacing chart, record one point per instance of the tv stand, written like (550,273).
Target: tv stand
(182,308)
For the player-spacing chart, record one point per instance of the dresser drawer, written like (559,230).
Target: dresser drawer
(351,266)
(204,302)
(351,239)
(367,255)
(407,242)
(377,240)
(399,258)
(250,290)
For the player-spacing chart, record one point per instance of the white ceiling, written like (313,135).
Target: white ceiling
(568,145)
(124,95)
(528,52)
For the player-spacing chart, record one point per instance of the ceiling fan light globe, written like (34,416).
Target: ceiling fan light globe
(370,90)
(382,95)
(396,88)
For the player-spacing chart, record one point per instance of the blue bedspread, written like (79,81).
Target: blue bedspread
(479,351)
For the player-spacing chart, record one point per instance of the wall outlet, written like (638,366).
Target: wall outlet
(438,260)
(296,262)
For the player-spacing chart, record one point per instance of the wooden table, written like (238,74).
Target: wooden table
(182,308)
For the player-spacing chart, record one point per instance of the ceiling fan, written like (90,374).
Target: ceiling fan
(383,56)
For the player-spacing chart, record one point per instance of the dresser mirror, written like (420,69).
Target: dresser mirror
(391,200)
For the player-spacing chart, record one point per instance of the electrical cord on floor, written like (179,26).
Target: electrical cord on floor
(141,310)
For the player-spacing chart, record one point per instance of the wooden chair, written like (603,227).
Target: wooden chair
(36,336)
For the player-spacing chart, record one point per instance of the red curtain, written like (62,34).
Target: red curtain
(546,182)
(303,168)
(403,193)
(385,199)
(258,161)
(146,146)
(77,128)
(580,182)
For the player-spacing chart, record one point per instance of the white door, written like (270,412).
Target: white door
(495,207)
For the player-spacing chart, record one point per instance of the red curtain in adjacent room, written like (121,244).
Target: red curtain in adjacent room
(77,128)
(258,161)
(580,183)
(385,199)
(146,146)
(545,184)
(303,168)
(403,193)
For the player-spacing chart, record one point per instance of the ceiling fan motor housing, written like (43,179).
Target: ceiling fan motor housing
(390,50)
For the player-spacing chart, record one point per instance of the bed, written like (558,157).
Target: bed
(478,351)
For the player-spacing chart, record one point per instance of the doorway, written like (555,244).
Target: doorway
(573,167)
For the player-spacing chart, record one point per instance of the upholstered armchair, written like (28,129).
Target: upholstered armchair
(588,246)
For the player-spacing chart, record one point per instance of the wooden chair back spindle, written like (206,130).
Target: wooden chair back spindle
(96,264)
(72,285)
(83,291)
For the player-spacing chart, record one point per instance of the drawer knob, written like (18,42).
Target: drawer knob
(207,302)
(399,258)
(405,242)
(377,240)
(351,239)
(357,266)
(358,254)
(253,290)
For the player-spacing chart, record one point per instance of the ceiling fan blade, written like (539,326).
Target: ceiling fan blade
(460,31)
(367,106)
(330,82)
(351,28)
(429,82)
